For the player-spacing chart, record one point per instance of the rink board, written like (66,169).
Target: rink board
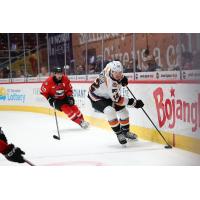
(173,106)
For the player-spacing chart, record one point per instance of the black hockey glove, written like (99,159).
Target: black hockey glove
(124,81)
(51,100)
(58,103)
(2,136)
(55,102)
(70,100)
(135,103)
(139,104)
(14,154)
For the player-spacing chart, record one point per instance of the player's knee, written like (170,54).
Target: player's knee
(74,108)
(66,109)
(123,113)
(110,112)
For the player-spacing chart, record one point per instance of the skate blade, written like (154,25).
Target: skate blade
(132,140)
(124,142)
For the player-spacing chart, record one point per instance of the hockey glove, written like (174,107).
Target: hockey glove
(51,100)
(135,103)
(2,136)
(124,81)
(57,103)
(14,154)
(70,100)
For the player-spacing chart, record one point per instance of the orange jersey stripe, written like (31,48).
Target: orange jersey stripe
(124,122)
(114,123)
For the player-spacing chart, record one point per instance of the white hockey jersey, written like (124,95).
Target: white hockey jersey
(106,87)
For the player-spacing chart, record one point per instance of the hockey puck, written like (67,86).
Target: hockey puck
(168,147)
(56,137)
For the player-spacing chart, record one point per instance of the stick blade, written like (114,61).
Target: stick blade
(56,137)
(28,162)
(168,147)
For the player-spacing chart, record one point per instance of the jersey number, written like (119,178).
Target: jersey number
(115,94)
(95,85)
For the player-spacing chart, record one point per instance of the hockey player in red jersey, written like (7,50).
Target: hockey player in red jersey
(105,96)
(10,152)
(57,90)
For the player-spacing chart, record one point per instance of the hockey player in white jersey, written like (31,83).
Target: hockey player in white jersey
(105,96)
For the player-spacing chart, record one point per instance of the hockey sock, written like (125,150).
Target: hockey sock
(74,118)
(124,124)
(114,124)
(80,115)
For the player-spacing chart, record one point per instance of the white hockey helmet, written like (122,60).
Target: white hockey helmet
(116,66)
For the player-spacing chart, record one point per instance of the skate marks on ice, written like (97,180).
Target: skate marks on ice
(33,132)
(70,130)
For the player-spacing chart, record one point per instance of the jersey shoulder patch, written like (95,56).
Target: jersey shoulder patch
(114,84)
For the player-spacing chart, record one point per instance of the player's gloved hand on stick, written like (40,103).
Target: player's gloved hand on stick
(135,103)
(2,136)
(51,101)
(55,102)
(124,81)
(70,100)
(14,154)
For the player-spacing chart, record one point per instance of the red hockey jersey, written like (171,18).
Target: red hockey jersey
(3,146)
(56,90)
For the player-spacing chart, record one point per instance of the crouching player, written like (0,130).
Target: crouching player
(105,96)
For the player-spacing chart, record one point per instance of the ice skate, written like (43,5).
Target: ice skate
(130,135)
(84,124)
(121,138)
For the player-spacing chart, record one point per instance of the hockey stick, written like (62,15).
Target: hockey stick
(168,145)
(57,137)
(28,162)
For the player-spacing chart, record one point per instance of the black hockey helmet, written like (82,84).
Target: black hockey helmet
(57,69)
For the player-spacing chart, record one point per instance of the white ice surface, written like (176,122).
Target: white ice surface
(34,132)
